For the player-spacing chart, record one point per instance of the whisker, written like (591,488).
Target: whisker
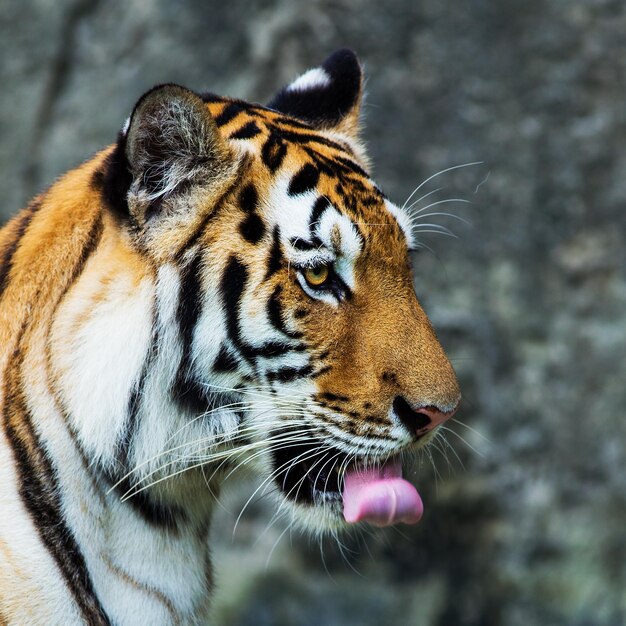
(209,459)
(414,214)
(273,475)
(443,214)
(456,420)
(440,232)
(225,437)
(449,446)
(469,445)
(415,202)
(449,169)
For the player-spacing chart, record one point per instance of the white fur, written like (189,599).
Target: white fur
(313,79)
(290,213)
(336,227)
(404,221)
(98,363)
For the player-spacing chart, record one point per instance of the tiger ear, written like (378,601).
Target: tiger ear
(328,97)
(172,143)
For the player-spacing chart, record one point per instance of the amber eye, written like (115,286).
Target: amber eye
(316,276)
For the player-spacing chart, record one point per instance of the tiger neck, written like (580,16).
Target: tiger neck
(95,338)
(119,361)
(113,356)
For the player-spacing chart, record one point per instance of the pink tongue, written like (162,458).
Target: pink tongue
(380,496)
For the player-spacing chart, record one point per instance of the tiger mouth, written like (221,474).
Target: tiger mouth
(369,490)
(308,473)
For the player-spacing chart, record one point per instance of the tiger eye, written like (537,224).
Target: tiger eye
(316,276)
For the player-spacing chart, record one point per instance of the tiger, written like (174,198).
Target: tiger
(223,289)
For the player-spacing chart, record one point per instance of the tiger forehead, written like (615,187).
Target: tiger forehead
(312,160)
(273,135)
(238,119)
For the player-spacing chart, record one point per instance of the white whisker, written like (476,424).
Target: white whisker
(449,169)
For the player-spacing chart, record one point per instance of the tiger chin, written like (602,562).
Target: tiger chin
(223,288)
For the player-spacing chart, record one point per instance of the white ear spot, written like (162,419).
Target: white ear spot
(126,126)
(313,79)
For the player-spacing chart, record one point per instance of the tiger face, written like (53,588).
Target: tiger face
(298,324)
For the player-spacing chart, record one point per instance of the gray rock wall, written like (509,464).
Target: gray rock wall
(527,525)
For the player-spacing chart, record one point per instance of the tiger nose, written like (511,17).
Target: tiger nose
(422,419)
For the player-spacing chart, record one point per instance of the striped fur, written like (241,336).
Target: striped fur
(158,332)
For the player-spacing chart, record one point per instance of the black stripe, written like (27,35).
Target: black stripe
(39,492)
(334,397)
(340,166)
(191,395)
(304,180)
(274,150)
(132,411)
(303,245)
(7,255)
(274,261)
(230,112)
(189,301)
(93,240)
(351,200)
(233,284)
(115,179)
(225,362)
(290,122)
(127,436)
(249,198)
(323,164)
(91,243)
(289,374)
(321,370)
(370,200)
(321,204)
(273,349)
(352,166)
(275,314)
(184,390)
(248,131)
(252,228)
(307,138)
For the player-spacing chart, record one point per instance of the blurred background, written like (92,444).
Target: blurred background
(525,520)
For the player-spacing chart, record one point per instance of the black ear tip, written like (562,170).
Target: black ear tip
(345,71)
(342,62)
(324,96)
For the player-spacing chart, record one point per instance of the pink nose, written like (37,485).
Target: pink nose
(419,420)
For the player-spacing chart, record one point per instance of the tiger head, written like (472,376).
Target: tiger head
(286,333)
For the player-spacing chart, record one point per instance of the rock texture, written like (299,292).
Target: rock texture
(526,525)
